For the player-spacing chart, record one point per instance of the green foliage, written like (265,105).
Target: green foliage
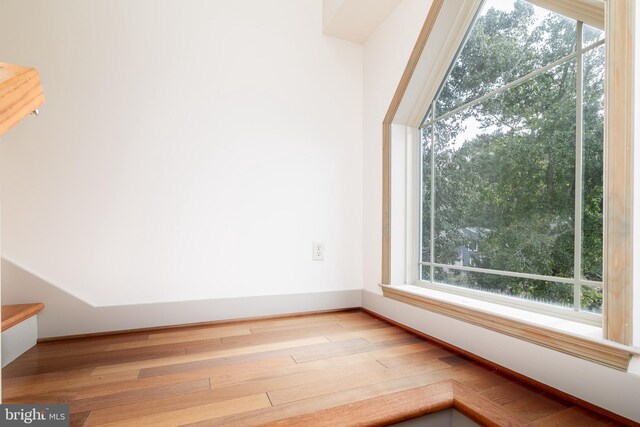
(505,168)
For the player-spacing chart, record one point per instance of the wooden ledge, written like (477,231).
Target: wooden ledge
(16,313)
(584,348)
(409,404)
(20,94)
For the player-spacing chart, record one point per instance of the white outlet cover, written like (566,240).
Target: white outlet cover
(317,253)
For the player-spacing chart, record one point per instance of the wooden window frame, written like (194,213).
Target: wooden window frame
(613,350)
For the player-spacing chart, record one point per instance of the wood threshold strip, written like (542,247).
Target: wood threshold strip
(20,94)
(16,313)
(508,372)
(583,348)
(409,404)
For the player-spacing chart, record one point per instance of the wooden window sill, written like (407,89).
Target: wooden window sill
(586,347)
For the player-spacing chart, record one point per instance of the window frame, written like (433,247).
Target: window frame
(575,313)
(617,274)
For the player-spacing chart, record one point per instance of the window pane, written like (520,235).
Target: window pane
(559,294)
(590,35)
(592,193)
(509,40)
(425,273)
(591,299)
(504,174)
(425,140)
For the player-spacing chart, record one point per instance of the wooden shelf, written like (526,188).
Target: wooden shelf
(20,94)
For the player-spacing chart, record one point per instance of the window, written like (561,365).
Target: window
(511,163)
(472,233)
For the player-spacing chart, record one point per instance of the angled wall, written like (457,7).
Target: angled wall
(65,315)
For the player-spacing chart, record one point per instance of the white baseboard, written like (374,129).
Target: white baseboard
(65,314)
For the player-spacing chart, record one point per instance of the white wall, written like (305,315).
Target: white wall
(385,55)
(187,149)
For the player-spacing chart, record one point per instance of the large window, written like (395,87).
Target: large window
(511,164)
(513,176)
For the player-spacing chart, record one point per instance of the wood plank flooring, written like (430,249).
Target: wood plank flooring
(341,368)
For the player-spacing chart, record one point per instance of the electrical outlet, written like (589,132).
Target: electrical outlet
(318,251)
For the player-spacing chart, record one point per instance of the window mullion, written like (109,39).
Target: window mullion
(577,250)
(514,83)
(432,200)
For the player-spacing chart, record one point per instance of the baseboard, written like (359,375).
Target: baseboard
(192,325)
(67,315)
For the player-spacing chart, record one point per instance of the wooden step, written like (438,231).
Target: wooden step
(15,313)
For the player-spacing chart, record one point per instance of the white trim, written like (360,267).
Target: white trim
(67,315)
(591,12)
(512,84)
(577,242)
(567,280)
(502,301)
(418,96)
(399,198)
(538,318)
(414,205)
(432,208)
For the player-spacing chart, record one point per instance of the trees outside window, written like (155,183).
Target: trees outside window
(511,164)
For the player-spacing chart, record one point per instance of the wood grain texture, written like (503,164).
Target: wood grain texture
(20,94)
(381,410)
(284,371)
(149,393)
(206,356)
(508,373)
(209,411)
(618,186)
(78,420)
(483,410)
(12,314)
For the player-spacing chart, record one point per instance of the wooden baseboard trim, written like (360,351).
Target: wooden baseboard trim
(186,326)
(508,372)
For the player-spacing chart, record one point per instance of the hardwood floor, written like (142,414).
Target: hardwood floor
(341,368)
